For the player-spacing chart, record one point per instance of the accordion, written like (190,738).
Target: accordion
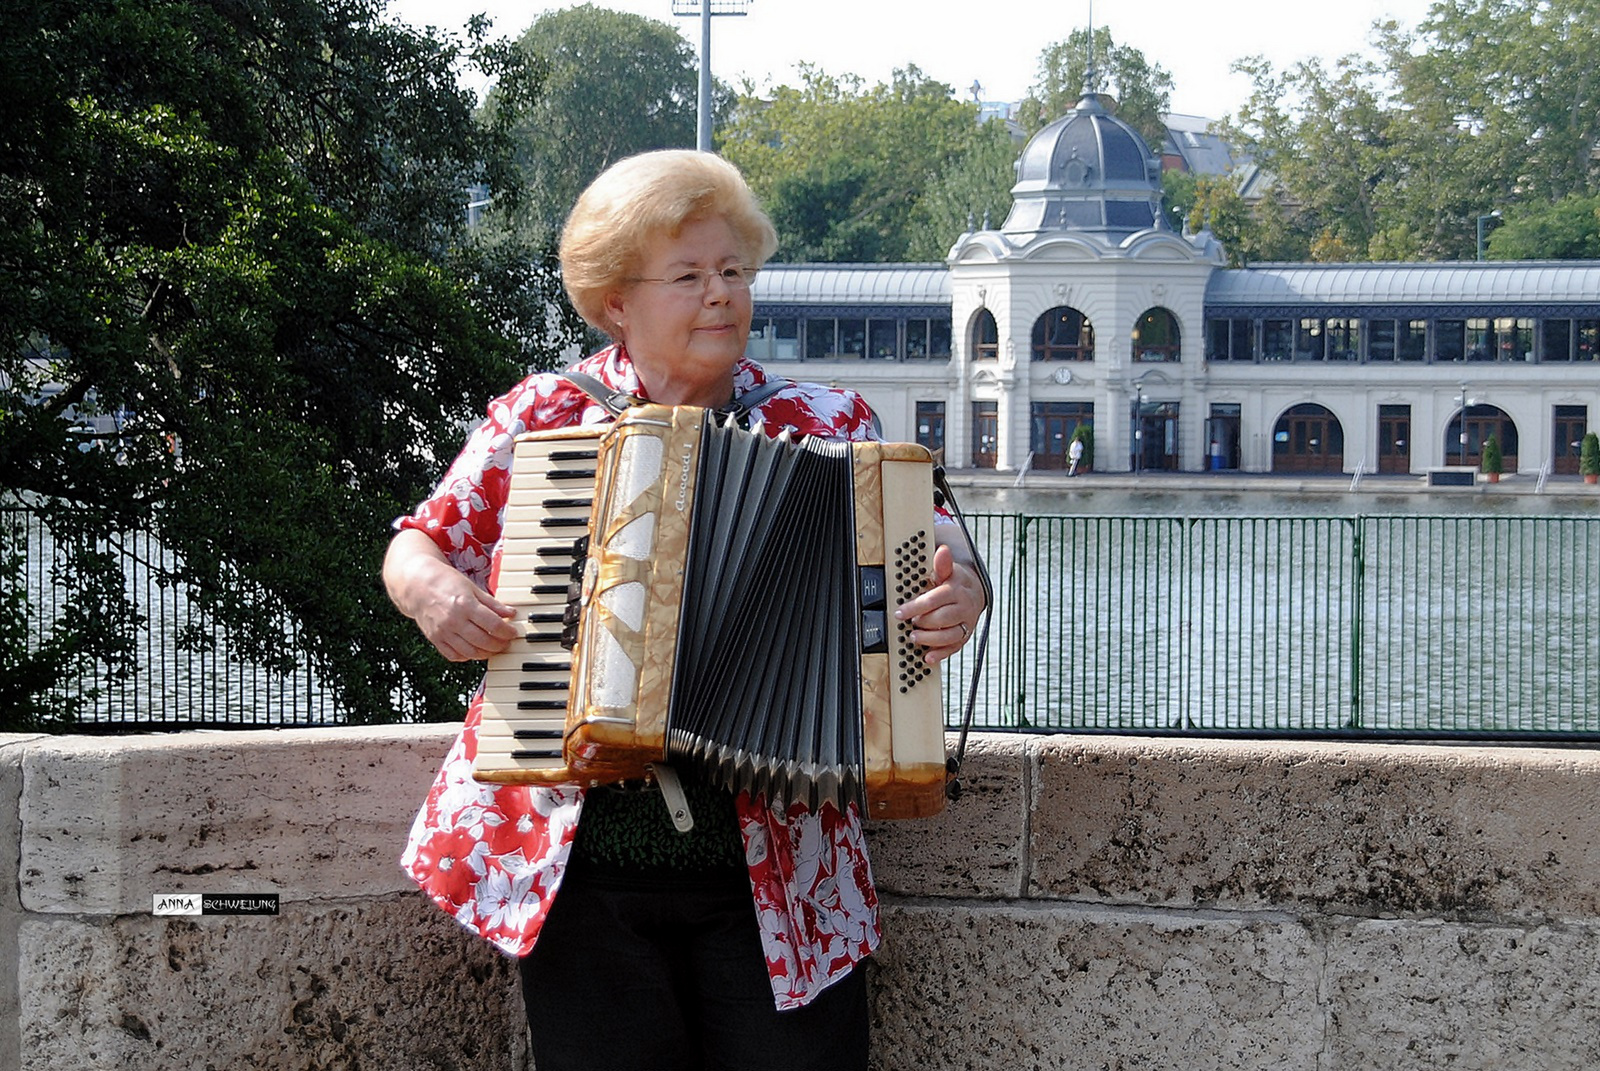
(704,595)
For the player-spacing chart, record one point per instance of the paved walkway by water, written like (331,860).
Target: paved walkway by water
(1298,483)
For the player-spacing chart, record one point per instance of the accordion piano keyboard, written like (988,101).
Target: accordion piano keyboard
(526,687)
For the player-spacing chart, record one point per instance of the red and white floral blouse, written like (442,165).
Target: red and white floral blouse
(493,855)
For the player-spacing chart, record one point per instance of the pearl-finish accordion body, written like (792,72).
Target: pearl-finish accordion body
(703,595)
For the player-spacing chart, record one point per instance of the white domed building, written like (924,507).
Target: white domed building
(1086,310)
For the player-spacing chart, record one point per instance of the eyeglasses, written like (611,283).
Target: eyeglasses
(695,282)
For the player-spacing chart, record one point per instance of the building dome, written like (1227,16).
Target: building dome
(1087,172)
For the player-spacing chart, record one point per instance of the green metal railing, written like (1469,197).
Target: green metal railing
(179,668)
(1371,625)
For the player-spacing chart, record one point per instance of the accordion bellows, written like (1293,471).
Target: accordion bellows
(733,597)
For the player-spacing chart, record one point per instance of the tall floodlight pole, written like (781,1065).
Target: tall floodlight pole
(703,10)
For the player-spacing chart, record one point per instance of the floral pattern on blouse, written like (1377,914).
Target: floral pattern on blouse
(493,855)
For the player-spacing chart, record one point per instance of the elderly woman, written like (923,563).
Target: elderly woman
(733,945)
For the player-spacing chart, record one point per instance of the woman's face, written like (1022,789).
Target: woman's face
(685,340)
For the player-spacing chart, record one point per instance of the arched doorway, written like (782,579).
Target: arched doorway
(1308,438)
(1463,439)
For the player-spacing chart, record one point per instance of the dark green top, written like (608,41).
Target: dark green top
(628,827)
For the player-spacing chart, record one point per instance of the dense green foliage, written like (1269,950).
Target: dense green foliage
(898,171)
(1490,459)
(1568,229)
(611,85)
(1488,105)
(1589,455)
(842,168)
(239,225)
(974,190)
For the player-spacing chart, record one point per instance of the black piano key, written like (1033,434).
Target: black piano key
(536,734)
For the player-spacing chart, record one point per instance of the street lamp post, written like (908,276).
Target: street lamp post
(1481,220)
(1465,401)
(703,10)
(1138,429)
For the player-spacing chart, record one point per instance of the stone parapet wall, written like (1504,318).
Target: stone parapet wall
(1118,902)
(1091,902)
(356,971)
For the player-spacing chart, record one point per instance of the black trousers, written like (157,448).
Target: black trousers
(637,973)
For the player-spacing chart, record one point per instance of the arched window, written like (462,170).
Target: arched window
(1063,334)
(1155,337)
(985,337)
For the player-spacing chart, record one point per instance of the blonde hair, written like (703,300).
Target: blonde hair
(643,197)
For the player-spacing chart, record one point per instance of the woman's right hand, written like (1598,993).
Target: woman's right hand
(464,622)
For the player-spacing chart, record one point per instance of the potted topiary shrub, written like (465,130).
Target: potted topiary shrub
(1491,461)
(1589,458)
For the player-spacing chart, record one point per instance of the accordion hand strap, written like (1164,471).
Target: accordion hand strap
(953,765)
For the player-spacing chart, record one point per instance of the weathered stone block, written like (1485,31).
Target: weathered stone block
(1031,988)
(977,845)
(108,823)
(12,746)
(1458,832)
(1408,997)
(387,983)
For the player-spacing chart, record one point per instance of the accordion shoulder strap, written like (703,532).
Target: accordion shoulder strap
(745,403)
(616,402)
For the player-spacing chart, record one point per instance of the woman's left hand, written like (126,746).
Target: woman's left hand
(944,617)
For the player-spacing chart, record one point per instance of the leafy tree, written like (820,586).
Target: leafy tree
(238,224)
(1566,230)
(1326,139)
(842,168)
(1249,233)
(1180,190)
(1519,77)
(1140,90)
(1489,104)
(974,188)
(611,85)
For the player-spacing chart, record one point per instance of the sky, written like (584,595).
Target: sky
(995,43)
